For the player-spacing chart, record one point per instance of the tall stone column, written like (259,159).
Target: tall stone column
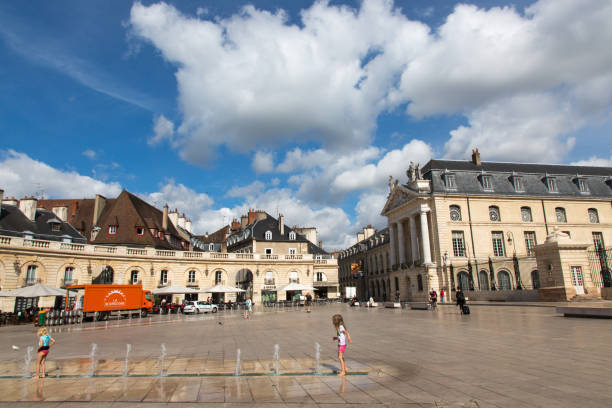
(425,239)
(401,242)
(413,241)
(392,244)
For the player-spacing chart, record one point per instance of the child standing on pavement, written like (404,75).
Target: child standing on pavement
(342,335)
(44,344)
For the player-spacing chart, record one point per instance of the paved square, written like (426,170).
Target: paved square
(499,356)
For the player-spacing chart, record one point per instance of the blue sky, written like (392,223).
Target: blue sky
(295,107)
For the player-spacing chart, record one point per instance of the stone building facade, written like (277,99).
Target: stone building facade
(475,225)
(149,252)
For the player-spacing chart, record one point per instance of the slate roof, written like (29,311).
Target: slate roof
(467,176)
(15,223)
(380,237)
(80,212)
(258,230)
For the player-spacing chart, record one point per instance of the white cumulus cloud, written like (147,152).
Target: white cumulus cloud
(23,176)
(263,162)
(163,129)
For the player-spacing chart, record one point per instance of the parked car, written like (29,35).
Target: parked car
(204,307)
(190,307)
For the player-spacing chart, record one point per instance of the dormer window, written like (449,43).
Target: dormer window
(139,231)
(551,184)
(55,226)
(487,182)
(517,182)
(449,181)
(582,184)
(609,181)
(112,229)
(292,236)
(268,235)
(211,247)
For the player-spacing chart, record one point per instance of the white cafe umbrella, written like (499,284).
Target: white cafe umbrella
(171,290)
(222,289)
(293,286)
(38,290)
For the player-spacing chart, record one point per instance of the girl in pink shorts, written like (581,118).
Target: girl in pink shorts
(44,344)
(342,335)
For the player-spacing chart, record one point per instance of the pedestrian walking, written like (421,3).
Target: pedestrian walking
(433,299)
(442,295)
(342,336)
(308,301)
(461,301)
(44,344)
(248,307)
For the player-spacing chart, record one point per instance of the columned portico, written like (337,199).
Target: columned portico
(414,246)
(401,242)
(425,238)
(392,244)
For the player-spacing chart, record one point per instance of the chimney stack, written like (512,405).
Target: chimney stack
(27,205)
(320,244)
(281,224)
(244,221)
(10,201)
(165,218)
(181,221)
(99,204)
(188,226)
(1,195)
(61,213)
(476,157)
(235,225)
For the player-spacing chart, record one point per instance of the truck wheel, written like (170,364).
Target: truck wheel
(143,313)
(214,310)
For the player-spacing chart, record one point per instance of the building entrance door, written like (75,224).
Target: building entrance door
(577,280)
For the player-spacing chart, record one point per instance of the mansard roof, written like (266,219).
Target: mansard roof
(379,238)
(533,178)
(80,211)
(15,223)
(258,228)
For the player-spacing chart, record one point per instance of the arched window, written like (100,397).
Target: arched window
(420,282)
(134,277)
(455,213)
(503,278)
(292,235)
(494,213)
(593,216)
(269,279)
(218,277)
(268,235)
(293,277)
(535,279)
(31,275)
(191,276)
(483,280)
(464,280)
(526,214)
(68,272)
(560,212)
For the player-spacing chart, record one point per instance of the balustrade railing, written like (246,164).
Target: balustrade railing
(121,250)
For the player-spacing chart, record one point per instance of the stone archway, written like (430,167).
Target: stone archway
(244,280)
(106,276)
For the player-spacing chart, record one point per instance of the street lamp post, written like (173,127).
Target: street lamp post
(515,264)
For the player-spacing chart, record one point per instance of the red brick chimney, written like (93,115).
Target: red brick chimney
(476,157)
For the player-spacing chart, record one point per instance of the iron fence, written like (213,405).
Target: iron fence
(600,261)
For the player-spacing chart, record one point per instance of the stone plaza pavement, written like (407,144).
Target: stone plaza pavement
(499,356)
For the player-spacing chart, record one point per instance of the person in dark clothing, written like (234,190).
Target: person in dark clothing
(460,298)
(308,301)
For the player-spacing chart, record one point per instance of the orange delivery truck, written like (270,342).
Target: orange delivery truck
(102,301)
